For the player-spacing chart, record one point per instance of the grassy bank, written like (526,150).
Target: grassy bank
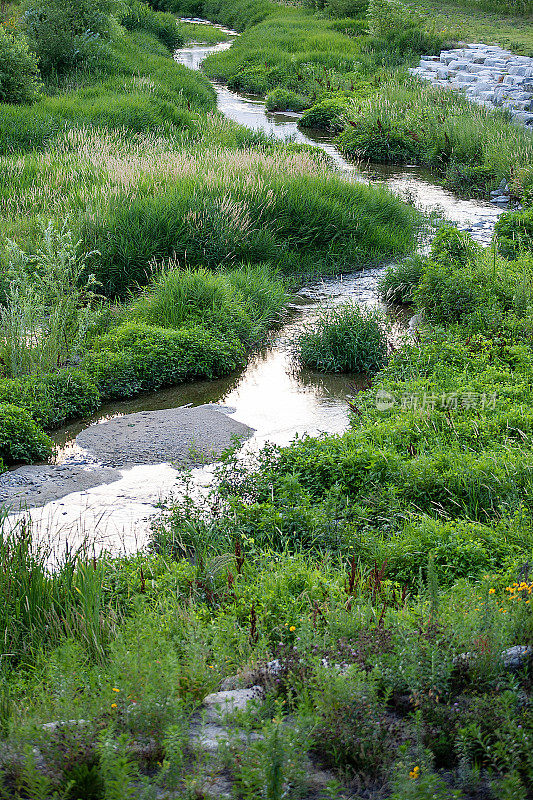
(346,66)
(121,172)
(385,570)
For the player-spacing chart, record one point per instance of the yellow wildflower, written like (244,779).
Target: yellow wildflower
(292,628)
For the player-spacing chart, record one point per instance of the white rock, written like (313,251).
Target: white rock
(219,704)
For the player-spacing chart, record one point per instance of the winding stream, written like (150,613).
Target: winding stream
(268,395)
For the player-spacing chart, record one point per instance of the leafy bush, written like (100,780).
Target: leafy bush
(19,75)
(514,232)
(347,338)
(21,439)
(139,16)
(52,398)
(452,247)
(46,310)
(63,34)
(400,280)
(285,100)
(388,16)
(328,115)
(138,357)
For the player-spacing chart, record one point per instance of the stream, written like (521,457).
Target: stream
(268,395)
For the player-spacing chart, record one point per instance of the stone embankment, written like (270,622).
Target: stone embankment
(487,74)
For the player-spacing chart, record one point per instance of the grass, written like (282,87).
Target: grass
(470,146)
(384,571)
(198,33)
(343,339)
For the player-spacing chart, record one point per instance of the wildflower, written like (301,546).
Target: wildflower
(114,689)
(113,705)
(492,591)
(414,773)
(292,628)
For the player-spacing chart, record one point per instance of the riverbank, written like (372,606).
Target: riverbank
(362,597)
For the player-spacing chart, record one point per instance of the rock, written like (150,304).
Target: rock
(219,704)
(517,656)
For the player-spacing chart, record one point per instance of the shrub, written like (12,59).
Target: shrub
(328,115)
(64,34)
(448,294)
(46,309)
(194,297)
(285,100)
(21,439)
(344,339)
(53,398)
(514,232)
(354,731)
(19,74)
(139,16)
(138,357)
(400,280)
(388,16)
(453,247)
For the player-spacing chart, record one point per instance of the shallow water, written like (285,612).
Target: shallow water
(269,395)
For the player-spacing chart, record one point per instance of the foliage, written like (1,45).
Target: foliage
(399,280)
(328,115)
(472,147)
(19,78)
(285,100)
(136,357)
(21,439)
(514,232)
(46,311)
(243,303)
(52,398)
(139,16)
(64,35)
(345,338)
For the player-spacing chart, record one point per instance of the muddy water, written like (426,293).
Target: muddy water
(269,395)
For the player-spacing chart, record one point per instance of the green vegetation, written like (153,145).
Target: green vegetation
(19,80)
(371,582)
(200,33)
(470,146)
(345,338)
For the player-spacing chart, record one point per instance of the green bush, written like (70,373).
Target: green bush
(400,280)
(328,115)
(189,298)
(514,232)
(135,357)
(344,339)
(54,398)
(19,73)
(64,34)
(452,247)
(21,439)
(139,16)
(448,294)
(285,100)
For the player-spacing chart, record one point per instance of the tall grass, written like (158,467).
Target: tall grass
(148,198)
(472,146)
(346,338)
(39,607)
